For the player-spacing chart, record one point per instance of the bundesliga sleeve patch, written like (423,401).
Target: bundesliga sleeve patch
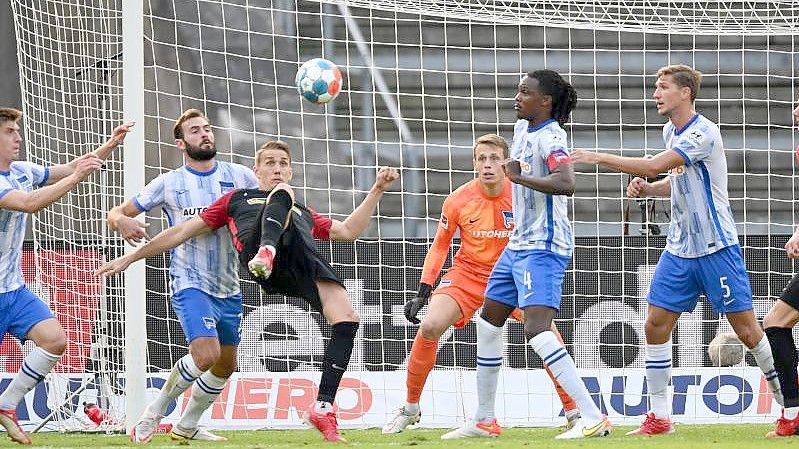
(556,158)
(444,221)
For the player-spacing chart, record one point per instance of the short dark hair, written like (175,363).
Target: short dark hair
(9,115)
(188,114)
(272,145)
(564,97)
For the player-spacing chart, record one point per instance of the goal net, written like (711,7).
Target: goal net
(422,80)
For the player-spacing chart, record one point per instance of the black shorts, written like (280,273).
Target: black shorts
(790,295)
(296,268)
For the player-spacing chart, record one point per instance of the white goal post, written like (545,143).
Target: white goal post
(422,80)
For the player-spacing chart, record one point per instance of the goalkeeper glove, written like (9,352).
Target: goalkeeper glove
(413,306)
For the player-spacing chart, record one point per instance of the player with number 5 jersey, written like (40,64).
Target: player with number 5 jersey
(702,255)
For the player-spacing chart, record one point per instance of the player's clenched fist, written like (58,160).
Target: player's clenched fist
(385,177)
(792,247)
(638,187)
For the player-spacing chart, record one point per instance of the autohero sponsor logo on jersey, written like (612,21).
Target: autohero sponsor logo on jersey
(492,233)
(193,211)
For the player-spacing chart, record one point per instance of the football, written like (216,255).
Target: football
(725,350)
(318,81)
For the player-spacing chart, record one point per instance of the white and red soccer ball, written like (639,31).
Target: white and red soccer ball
(318,80)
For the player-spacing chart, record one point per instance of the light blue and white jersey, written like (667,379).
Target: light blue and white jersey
(701,218)
(208,262)
(22,176)
(541,219)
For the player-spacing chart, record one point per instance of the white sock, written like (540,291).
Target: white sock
(36,365)
(547,346)
(183,374)
(323,407)
(489,362)
(411,409)
(765,360)
(790,412)
(206,389)
(658,374)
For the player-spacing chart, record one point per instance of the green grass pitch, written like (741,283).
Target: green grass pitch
(743,436)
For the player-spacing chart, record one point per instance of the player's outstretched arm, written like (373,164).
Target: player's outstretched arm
(164,241)
(637,166)
(40,198)
(59,172)
(354,225)
(559,182)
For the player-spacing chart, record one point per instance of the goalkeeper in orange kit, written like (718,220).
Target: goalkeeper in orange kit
(482,210)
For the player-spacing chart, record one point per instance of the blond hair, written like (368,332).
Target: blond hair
(9,115)
(272,145)
(188,114)
(683,76)
(492,139)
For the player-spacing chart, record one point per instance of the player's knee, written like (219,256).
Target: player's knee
(282,189)
(56,344)
(432,329)
(656,330)
(205,355)
(224,368)
(533,328)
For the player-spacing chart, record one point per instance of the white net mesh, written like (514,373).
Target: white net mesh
(422,81)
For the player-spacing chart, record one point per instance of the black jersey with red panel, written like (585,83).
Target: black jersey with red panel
(241,211)
(297,264)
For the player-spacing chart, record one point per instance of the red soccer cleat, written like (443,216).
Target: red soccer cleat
(653,426)
(325,423)
(785,427)
(8,418)
(261,265)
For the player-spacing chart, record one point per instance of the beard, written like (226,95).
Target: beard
(199,153)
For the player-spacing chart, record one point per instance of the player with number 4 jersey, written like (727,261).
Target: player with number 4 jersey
(529,273)
(481,210)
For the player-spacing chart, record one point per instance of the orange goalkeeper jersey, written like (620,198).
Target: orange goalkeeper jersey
(485,223)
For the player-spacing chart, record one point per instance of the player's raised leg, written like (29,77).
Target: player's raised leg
(442,313)
(274,220)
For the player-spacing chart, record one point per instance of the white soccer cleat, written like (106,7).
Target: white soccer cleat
(145,428)
(401,420)
(198,433)
(474,429)
(580,430)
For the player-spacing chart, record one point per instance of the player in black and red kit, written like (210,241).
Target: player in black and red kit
(274,237)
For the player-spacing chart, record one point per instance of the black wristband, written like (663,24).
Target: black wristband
(425,290)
